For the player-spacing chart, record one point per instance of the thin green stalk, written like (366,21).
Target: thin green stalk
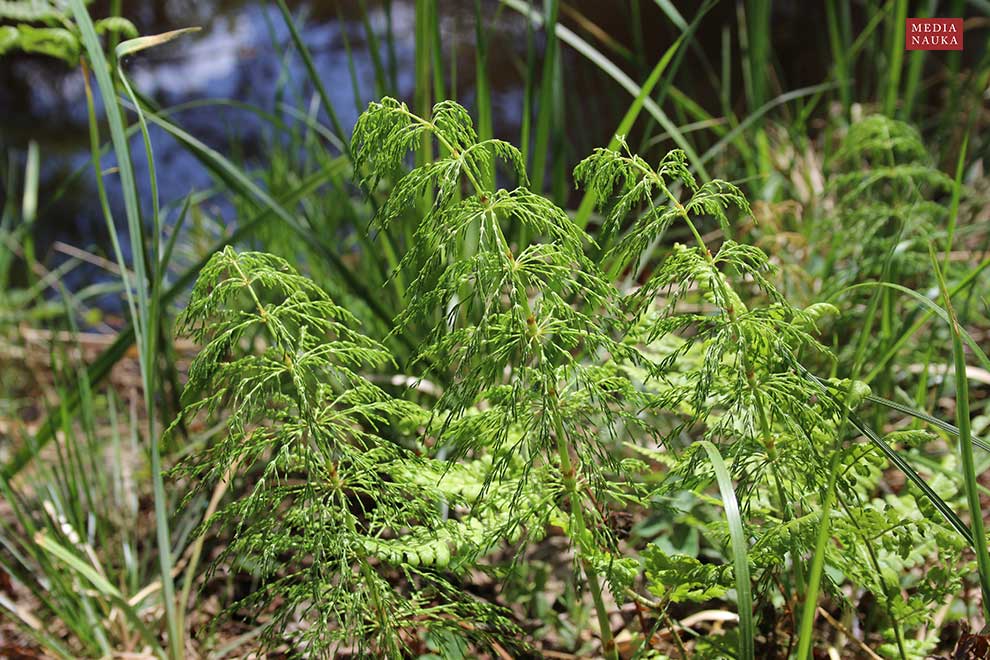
(754,39)
(351,65)
(154,322)
(526,119)
(618,75)
(482,86)
(580,530)
(740,555)
(425,10)
(968,464)
(484,105)
(101,71)
(393,66)
(755,42)
(895,58)
(916,61)
(954,202)
(313,75)
(637,55)
(547,100)
(838,42)
(176,636)
(725,79)
(375,49)
(436,53)
(807,629)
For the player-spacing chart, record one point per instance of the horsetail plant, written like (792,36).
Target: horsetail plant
(302,408)
(509,329)
(554,380)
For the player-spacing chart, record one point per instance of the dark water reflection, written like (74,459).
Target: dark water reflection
(238,55)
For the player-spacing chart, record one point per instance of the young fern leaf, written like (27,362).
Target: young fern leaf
(58,36)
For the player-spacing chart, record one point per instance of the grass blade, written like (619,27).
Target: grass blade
(807,629)
(896,57)
(382,86)
(956,194)
(916,61)
(483,97)
(132,46)
(925,417)
(915,478)
(425,13)
(100,583)
(548,100)
(314,77)
(744,598)
(966,442)
(839,43)
(934,309)
(966,281)
(145,321)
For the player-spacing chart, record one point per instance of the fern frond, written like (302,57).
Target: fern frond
(36,11)
(57,42)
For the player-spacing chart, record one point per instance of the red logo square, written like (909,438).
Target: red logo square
(934,34)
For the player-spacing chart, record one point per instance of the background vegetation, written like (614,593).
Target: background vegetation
(849,523)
